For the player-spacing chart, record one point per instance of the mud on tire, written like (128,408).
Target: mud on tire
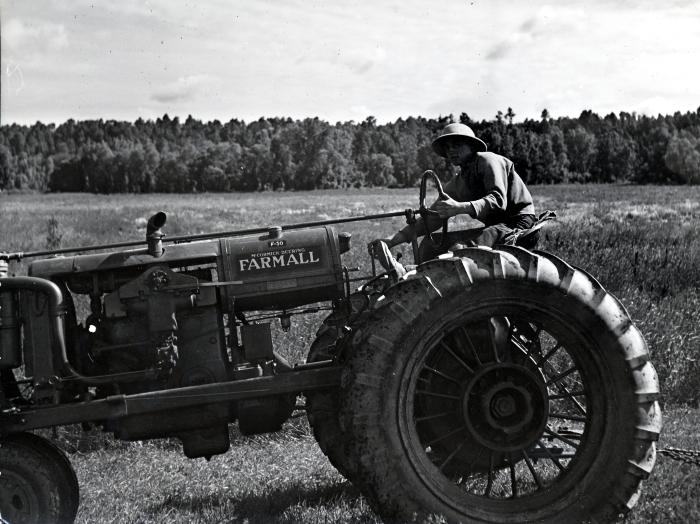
(323,407)
(500,386)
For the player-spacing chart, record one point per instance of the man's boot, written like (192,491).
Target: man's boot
(387,260)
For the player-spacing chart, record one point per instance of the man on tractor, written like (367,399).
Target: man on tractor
(487,188)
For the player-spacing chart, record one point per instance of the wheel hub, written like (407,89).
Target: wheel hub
(17,499)
(505,406)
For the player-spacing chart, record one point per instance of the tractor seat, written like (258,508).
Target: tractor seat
(529,237)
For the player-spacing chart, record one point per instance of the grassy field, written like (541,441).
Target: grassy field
(642,243)
(285,478)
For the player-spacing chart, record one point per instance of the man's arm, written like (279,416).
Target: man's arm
(494,173)
(445,208)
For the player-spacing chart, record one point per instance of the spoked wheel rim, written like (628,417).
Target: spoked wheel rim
(503,410)
(18,498)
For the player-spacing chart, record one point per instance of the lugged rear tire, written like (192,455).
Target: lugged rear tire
(544,411)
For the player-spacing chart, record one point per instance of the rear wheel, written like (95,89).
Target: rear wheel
(503,386)
(37,483)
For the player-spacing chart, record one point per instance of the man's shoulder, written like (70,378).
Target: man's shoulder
(492,159)
(488,155)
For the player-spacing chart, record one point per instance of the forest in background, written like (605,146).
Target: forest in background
(167,155)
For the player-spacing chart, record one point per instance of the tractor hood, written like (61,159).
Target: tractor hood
(175,254)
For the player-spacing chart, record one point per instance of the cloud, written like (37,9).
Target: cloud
(143,58)
(358,60)
(528,25)
(28,38)
(547,24)
(525,33)
(500,50)
(184,88)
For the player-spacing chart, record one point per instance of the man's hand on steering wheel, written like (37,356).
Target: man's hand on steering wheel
(449,207)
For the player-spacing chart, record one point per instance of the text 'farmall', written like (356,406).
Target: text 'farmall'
(278,259)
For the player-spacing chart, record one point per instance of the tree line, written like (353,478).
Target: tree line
(167,155)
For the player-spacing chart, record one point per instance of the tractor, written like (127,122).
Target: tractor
(485,385)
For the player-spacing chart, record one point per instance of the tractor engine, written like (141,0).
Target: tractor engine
(169,317)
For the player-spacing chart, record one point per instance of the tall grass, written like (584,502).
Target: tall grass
(649,257)
(285,478)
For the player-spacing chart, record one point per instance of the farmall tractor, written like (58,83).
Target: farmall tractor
(486,385)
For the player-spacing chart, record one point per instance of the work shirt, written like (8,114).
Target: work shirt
(493,188)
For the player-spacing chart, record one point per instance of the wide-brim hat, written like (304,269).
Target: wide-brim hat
(461,131)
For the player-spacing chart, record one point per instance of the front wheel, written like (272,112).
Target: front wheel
(37,483)
(501,386)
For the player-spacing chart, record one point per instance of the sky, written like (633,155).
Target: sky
(341,60)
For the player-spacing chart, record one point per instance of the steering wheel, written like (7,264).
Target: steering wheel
(424,212)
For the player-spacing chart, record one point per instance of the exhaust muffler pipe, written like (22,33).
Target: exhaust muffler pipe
(154,236)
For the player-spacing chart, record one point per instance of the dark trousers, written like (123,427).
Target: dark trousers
(482,236)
